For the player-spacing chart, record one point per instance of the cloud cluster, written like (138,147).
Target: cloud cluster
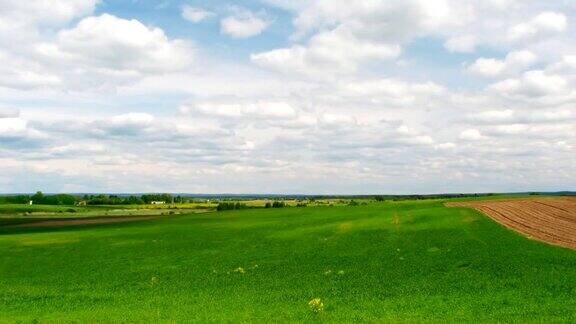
(243,23)
(97,52)
(368,96)
(345,36)
(514,62)
(194,14)
(540,27)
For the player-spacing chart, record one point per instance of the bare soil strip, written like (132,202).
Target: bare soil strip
(552,220)
(83,221)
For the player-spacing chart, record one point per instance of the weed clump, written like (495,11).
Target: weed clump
(316,305)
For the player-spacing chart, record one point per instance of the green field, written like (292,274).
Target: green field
(389,261)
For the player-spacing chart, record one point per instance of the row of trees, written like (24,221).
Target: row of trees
(230,206)
(276,204)
(40,198)
(130,200)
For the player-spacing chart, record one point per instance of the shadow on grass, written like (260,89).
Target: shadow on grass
(14,225)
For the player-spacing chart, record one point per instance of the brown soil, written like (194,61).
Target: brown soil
(552,220)
(83,221)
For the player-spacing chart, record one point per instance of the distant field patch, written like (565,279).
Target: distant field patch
(552,220)
(83,221)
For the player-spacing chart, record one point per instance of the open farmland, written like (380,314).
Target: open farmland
(389,261)
(551,220)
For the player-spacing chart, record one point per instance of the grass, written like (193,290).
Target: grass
(394,261)
(18,214)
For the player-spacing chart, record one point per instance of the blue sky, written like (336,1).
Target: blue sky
(168,16)
(287,96)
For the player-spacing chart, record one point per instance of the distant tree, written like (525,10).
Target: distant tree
(134,200)
(38,197)
(17,199)
(278,204)
(63,199)
(230,206)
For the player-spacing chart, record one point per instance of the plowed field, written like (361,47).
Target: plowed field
(552,220)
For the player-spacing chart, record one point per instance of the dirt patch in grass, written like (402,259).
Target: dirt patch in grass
(552,220)
(82,221)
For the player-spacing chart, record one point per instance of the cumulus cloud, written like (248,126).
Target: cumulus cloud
(54,12)
(194,14)
(337,106)
(333,52)
(243,23)
(461,44)
(9,113)
(345,36)
(533,84)
(17,134)
(471,135)
(99,53)
(235,109)
(514,62)
(109,42)
(510,116)
(398,90)
(12,126)
(545,24)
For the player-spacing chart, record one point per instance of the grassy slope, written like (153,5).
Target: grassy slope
(20,214)
(400,261)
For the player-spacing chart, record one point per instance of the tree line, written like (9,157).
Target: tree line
(40,198)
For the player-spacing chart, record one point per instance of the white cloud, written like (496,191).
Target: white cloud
(239,109)
(12,126)
(567,65)
(544,25)
(513,63)
(114,43)
(98,53)
(510,116)
(44,12)
(471,135)
(341,111)
(194,14)
(130,124)
(346,36)
(77,149)
(536,83)
(487,67)
(244,23)
(25,74)
(16,133)
(327,53)
(132,120)
(9,113)
(461,44)
(391,92)
(331,119)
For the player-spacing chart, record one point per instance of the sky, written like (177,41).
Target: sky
(287,96)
